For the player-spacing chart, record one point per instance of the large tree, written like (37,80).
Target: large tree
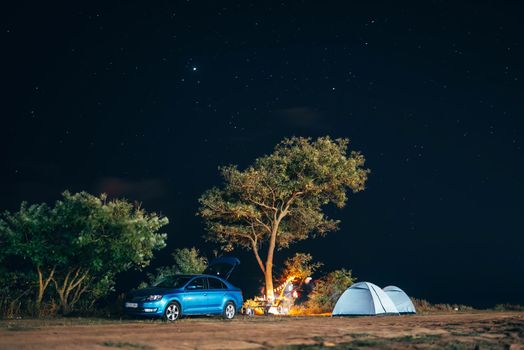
(79,244)
(280,199)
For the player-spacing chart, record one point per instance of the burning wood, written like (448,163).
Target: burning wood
(285,296)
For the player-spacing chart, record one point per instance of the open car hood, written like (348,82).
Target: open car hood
(222,267)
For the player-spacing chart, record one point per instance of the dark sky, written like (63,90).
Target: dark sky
(144,100)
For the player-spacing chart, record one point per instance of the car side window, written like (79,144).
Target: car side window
(215,283)
(197,284)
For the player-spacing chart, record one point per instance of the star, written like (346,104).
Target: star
(194,69)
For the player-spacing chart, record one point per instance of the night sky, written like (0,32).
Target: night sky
(144,100)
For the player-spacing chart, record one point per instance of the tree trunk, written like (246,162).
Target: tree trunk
(270,294)
(268,270)
(42,284)
(70,283)
(257,256)
(64,305)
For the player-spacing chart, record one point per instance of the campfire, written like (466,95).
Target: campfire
(285,296)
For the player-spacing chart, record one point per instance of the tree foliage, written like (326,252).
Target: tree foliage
(79,244)
(189,261)
(301,266)
(186,261)
(279,200)
(328,289)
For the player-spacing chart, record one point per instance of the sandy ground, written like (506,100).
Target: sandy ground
(488,330)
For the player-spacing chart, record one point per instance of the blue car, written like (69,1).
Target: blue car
(206,294)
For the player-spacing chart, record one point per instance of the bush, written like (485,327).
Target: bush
(508,307)
(424,306)
(328,289)
(187,261)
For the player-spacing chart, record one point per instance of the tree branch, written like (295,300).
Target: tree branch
(262,204)
(266,226)
(285,210)
(270,189)
(78,294)
(50,277)
(74,283)
(43,284)
(257,256)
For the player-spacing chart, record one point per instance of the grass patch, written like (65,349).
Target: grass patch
(318,347)
(318,338)
(113,344)
(20,328)
(428,341)
(465,334)
(452,346)
(482,345)
(380,343)
(367,342)
(419,339)
(36,323)
(358,335)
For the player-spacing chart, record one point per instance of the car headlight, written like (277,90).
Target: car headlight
(153,297)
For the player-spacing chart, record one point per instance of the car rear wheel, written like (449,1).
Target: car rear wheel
(172,312)
(229,311)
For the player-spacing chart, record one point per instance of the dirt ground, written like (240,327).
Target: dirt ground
(483,330)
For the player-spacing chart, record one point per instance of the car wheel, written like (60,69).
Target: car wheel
(229,311)
(172,312)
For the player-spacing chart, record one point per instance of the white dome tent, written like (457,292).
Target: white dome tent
(402,302)
(364,298)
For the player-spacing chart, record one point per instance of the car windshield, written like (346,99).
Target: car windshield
(173,282)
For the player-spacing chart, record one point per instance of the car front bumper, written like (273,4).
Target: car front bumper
(148,308)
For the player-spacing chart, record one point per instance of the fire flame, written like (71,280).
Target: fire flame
(282,304)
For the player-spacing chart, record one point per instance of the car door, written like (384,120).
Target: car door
(216,294)
(194,300)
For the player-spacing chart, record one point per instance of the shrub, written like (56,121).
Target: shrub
(508,307)
(186,261)
(424,306)
(328,289)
